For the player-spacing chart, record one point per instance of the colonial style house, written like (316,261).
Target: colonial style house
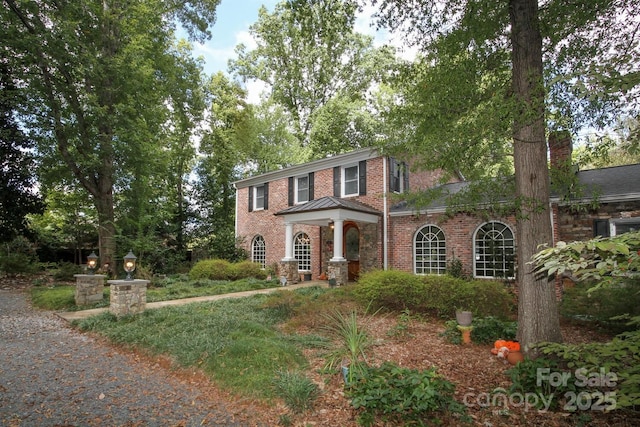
(338,216)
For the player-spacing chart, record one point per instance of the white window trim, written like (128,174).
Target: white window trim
(295,247)
(415,255)
(296,188)
(613,222)
(475,234)
(343,182)
(263,250)
(255,198)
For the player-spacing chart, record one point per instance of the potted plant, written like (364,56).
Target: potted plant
(464,317)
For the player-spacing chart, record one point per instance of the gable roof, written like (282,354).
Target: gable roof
(610,184)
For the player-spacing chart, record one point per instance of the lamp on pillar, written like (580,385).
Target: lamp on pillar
(129,265)
(92,262)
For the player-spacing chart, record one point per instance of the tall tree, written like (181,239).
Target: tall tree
(18,197)
(310,58)
(96,76)
(478,94)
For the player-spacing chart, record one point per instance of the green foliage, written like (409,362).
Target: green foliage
(435,295)
(53,297)
(605,260)
(402,396)
(353,343)
(233,340)
(244,269)
(620,356)
(607,307)
(213,269)
(65,271)
(525,378)
(220,269)
(486,330)
(18,256)
(296,389)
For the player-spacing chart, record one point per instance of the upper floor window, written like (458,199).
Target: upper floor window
(430,252)
(398,176)
(302,251)
(302,189)
(494,251)
(350,180)
(259,251)
(259,197)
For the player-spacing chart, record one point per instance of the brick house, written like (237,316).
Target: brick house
(339,216)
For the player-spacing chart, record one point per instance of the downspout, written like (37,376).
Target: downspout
(235,221)
(385,214)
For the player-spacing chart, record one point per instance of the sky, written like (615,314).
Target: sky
(233,18)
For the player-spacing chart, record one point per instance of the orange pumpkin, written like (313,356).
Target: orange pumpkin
(500,344)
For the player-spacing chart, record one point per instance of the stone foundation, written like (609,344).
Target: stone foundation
(338,270)
(289,270)
(128,296)
(89,288)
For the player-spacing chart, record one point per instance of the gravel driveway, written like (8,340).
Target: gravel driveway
(51,375)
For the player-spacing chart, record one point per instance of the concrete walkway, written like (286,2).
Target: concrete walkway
(83,314)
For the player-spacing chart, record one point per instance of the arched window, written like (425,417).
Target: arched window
(259,251)
(430,251)
(302,251)
(494,251)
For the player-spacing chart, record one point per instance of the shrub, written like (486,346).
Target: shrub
(297,391)
(602,304)
(391,289)
(525,378)
(486,330)
(401,396)
(214,269)
(65,271)
(435,295)
(246,269)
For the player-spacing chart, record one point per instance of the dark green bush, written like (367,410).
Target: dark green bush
(601,305)
(246,269)
(402,396)
(220,269)
(486,330)
(213,269)
(436,295)
(65,271)
(526,377)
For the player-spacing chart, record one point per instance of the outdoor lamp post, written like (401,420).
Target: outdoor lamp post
(92,262)
(129,264)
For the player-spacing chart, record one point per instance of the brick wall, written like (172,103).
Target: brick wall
(572,226)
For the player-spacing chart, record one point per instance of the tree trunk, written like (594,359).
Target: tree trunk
(537,305)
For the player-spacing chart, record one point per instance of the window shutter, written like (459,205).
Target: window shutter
(266,196)
(336,181)
(362,172)
(392,174)
(406,176)
(291,190)
(310,186)
(250,198)
(601,228)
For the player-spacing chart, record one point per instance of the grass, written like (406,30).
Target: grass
(62,296)
(237,341)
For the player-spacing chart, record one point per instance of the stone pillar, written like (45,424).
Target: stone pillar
(89,288)
(289,270)
(339,270)
(128,296)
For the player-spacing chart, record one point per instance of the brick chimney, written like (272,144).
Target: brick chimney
(560,149)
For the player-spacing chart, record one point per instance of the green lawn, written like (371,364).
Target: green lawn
(61,297)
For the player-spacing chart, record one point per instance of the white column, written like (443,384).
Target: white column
(337,240)
(288,243)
